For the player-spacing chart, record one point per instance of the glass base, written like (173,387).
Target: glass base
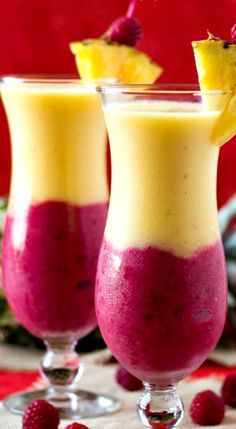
(75,404)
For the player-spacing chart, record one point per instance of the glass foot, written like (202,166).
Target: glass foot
(160,407)
(75,404)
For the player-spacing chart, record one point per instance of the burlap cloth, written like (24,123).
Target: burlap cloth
(100,378)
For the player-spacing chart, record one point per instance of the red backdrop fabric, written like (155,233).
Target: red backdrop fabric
(34,38)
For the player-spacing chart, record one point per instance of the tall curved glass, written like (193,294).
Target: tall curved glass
(56,217)
(161,279)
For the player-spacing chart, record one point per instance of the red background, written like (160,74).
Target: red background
(34,38)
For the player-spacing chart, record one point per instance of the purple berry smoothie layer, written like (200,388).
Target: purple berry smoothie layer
(49,278)
(161,315)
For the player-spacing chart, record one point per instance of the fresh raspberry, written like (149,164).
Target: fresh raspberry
(40,415)
(127,380)
(207,408)
(76,425)
(125,30)
(233,33)
(228,390)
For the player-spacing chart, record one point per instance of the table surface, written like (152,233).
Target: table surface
(18,368)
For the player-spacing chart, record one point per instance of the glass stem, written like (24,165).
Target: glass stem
(160,406)
(61,365)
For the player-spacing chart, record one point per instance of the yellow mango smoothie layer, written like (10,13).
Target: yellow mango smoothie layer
(63,128)
(168,180)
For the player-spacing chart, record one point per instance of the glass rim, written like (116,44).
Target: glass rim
(158,88)
(53,79)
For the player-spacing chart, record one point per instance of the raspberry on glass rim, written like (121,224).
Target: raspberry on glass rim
(126,30)
(113,55)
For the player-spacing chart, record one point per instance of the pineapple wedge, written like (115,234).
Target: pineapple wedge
(216,64)
(216,67)
(100,58)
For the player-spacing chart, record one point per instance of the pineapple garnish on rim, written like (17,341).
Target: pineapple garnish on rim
(114,54)
(216,68)
(99,59)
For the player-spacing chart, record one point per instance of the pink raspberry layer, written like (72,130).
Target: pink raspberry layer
(49,275)
(166,312)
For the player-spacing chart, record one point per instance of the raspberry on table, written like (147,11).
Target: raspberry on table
(127,380)
(76,425)
(228,390)
(207,408)
(40,415)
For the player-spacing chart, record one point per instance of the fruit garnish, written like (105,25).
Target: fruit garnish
(113,55)
(126,30)
(233,33)
(228,390)
(98,59)
(76,425)
(40,415)
(127,380)
(207,408)
(215,62)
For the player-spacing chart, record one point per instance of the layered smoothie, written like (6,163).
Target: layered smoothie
(161,281)
(58,206)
